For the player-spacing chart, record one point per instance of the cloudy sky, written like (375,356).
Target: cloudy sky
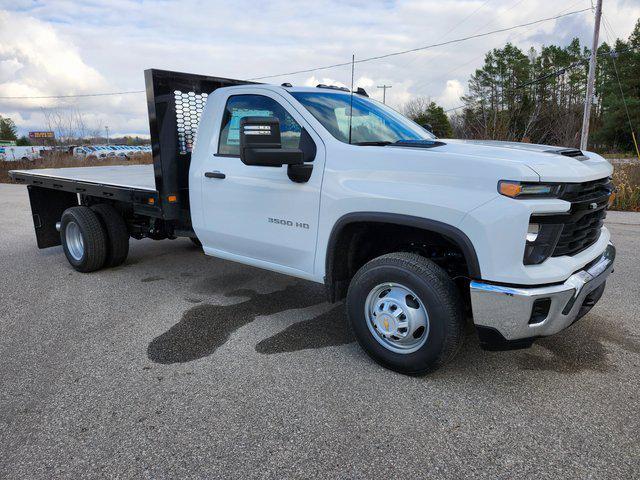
(62,47)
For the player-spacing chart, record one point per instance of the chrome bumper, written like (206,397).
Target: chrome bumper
(509,309)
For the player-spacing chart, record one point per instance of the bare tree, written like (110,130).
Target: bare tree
(68,124)
(415,107)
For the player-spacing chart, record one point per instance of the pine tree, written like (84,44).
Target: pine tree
(23,141)
(539,96)
(8,130)
(620,93)
(423,112)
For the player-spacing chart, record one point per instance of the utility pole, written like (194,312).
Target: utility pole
(106,127)
(591,80)
(384,92)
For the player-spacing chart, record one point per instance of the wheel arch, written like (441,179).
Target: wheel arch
(335,286)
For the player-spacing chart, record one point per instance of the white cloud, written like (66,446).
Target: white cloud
(312,81)
(450,96)
(69,47)
(37,61)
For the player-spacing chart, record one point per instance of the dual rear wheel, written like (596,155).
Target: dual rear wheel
(94,237)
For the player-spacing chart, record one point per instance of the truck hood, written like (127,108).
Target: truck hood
(552,164)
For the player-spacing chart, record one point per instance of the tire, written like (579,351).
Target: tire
(196,241)
(413,285)
(117,234)
(84,239)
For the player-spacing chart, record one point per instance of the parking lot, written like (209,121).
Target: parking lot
(177,365)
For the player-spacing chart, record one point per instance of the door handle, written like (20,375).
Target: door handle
(215,174)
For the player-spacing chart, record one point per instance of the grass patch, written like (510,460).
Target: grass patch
(626,178)
(65,160)
(621,156)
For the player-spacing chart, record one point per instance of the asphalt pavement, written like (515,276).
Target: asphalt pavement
(176,365)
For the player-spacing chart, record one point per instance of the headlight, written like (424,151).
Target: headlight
(529,189)
(541,240)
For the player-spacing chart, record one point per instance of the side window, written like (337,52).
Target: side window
(239,106)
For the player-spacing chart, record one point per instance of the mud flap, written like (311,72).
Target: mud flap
(47,207)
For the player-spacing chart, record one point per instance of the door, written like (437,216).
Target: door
(257,214)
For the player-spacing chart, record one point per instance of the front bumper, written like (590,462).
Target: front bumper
(509,311)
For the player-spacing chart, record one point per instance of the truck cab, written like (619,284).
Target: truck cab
(416,233)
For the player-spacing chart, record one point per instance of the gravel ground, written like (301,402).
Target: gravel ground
(180,366)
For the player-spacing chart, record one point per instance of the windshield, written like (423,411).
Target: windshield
(372,122)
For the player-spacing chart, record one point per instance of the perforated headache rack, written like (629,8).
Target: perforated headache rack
(176,101)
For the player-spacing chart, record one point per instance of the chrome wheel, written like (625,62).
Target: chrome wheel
(74,241)
(396,318)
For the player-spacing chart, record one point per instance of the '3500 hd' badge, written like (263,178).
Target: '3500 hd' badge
(288,223)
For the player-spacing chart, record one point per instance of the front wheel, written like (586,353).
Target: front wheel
(406,313)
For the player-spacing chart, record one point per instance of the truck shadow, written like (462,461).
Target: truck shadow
(326,330)
(204,328)
(584,347)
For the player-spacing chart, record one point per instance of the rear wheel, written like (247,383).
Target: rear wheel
(84,239)
(406,313)
(117,234)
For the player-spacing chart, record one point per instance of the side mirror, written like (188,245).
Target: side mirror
(260,144)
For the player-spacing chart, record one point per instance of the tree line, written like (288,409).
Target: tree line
(538,96)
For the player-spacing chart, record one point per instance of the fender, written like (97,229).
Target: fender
(455,235)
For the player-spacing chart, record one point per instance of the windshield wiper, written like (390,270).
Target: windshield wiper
(420,143)
(380,143)
(403,143)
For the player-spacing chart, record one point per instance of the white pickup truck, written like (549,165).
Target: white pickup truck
(417,233)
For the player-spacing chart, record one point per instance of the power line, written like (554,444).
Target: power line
(377,57)
(426,47)
(446,34)
(419,85)
(455,108)
(71,96)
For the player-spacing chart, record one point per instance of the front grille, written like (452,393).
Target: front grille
(580,235)
(581,227)
(587,191)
